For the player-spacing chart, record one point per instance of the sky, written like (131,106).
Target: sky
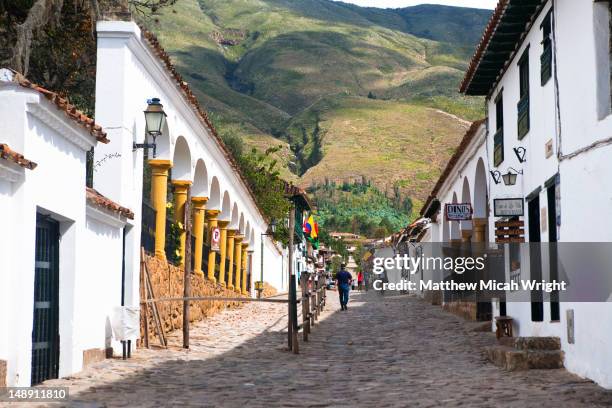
(486,4)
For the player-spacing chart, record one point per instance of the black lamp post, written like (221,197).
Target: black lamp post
(259,286)
(155,118)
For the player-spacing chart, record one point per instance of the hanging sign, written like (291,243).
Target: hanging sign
(508,207)
(215,238)
(458,212)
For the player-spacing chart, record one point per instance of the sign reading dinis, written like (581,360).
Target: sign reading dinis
(458,212)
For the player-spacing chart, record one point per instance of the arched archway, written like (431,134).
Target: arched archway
(214,201)
(481,198)
(241,224)
(226,207)
(247,232)
(162,142)
(480,191)
(235,219)
(466,197)
(181,161)
(455,231)
(200,180)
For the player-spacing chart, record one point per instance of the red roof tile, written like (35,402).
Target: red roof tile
(484,43)
(98,199)
(8,154)
(70,110)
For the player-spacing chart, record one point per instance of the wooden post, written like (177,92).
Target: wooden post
(305,305)
(156,318)
(293,324)
(145,296)
(187,270)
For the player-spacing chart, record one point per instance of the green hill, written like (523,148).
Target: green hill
(328,78)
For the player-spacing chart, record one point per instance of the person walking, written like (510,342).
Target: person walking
(343,283)
(360,280)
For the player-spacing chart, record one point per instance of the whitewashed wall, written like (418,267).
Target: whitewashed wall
(582,121)
(128,74)
(56,187)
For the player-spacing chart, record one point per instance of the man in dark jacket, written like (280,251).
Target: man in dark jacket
(343,283)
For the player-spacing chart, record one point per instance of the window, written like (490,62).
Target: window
(89,167)
(523,104)
(498,138)
(546,57)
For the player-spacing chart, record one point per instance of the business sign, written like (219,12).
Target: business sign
(508,207)
(215,238)
(458,212)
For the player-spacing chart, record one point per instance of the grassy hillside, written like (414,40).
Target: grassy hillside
(391,143)
(349,91)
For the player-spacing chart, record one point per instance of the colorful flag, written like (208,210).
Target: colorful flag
(311,231)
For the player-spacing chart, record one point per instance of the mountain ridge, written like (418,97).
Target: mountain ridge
(291,72)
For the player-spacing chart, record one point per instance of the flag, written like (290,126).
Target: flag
(311,231)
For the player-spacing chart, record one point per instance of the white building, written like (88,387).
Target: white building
(463,180)
(61,245)
(544,68)
(69,255)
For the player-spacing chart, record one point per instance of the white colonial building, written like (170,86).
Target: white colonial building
(70,248)
(61,244)
(542,166)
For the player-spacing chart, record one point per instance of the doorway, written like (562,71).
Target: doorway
(535,257)
(45,331)
(551,191)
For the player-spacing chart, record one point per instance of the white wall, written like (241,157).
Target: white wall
(55,187)
(128,74)
(100,283)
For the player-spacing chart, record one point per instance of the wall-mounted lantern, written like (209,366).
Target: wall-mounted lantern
(509,178)
(520,154)
(155,118)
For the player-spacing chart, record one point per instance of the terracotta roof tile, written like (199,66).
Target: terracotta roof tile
(70,110)
(467,138)
(483,44)
(98,199)
(8,154)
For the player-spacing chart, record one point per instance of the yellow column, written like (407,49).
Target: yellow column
(230,255)
(159,191)
(212,223)
(245,245)
(222,251)
(238,256)
(199,210)
(181,187)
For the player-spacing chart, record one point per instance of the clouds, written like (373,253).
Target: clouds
(488,4)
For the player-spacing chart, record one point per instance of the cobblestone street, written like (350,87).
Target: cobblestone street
(384,351)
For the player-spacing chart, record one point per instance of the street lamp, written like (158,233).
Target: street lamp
(154,119)
(259,285)
(509,178)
